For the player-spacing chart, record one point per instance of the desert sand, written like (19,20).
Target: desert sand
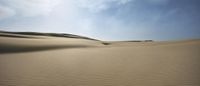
(46,60)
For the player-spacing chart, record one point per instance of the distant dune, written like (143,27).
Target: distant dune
(50,59)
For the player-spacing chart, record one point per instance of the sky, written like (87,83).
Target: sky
(105,19)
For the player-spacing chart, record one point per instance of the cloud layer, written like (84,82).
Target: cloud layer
(30,8)
(6,12)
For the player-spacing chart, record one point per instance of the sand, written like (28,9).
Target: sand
(28,60)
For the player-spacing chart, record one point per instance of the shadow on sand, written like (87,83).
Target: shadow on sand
(6,49)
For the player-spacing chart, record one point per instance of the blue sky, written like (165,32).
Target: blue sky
(105,19)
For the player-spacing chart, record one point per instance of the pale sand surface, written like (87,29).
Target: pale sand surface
(56,61)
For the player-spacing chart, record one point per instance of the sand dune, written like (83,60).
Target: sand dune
(62,60)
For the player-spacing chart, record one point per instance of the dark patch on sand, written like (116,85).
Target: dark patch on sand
(5,48)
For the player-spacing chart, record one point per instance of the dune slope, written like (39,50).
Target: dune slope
(29,60)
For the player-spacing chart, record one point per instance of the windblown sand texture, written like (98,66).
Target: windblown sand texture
(49,60)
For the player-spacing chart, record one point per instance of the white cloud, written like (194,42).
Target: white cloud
(6,12)
(99,5)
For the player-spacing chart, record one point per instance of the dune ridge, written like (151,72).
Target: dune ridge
(48,34)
